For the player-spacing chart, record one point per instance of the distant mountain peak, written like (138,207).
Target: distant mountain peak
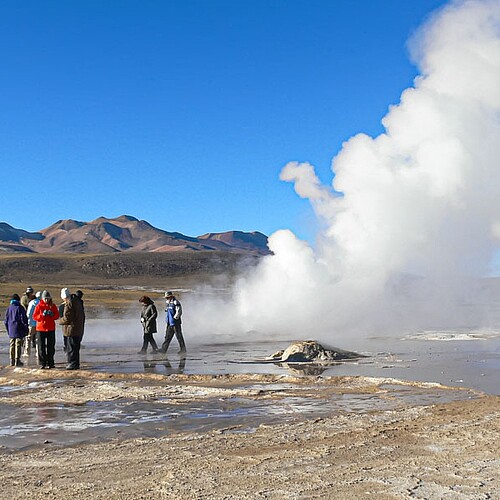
(9,233)
(123,234)
(240,239)
(126,218)
(120,218)
(64,225)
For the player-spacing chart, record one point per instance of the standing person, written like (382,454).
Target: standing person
(73,320)
(45,315)
(61,312)
(28,296)
(30,340)
(149,314)
(173,320)
(79,295)
(16,323)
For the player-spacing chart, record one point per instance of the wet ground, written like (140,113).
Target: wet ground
(452,358)
(31,424)
(60,408)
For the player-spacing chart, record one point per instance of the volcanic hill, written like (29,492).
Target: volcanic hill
(123,234)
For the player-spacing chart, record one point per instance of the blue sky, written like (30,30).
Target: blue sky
(184,112)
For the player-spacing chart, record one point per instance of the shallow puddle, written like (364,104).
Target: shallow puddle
(66,424)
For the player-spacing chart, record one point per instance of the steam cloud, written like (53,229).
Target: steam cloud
(412,215)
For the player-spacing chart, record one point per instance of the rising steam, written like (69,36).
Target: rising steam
(412,215)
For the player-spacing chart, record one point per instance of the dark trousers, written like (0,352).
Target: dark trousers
(169,335)
(149,339)
(73,351)
(46,344)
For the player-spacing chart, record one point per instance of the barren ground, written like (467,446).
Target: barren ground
(439,451)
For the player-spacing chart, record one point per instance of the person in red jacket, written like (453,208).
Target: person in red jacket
(46,313)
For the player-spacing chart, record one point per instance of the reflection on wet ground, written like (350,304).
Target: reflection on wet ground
(64,424)
(466,362)
(38,407)
(469,363)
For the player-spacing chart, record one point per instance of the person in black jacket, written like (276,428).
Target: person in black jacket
(148,320)
(73,322)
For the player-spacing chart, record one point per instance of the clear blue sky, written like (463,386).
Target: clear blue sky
(184,112)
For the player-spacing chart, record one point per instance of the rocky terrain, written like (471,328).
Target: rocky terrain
(136,268)
(116,280)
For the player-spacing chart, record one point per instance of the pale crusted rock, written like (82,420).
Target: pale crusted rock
(311,351)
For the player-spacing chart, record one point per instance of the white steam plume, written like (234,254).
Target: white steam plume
(412,212)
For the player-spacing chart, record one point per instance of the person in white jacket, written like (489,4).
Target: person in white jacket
(30,339)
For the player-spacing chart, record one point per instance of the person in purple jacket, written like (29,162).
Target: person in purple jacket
(16,323)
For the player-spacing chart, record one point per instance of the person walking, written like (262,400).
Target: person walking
(30,340)
(16,323)
(149,314)
(174,322)
(45,315)
(73,320)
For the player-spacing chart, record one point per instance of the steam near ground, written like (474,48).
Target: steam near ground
(412,216)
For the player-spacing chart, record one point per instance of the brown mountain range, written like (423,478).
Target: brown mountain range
(123,234)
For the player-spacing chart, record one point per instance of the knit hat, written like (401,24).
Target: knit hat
(15,297)
(168,294)
(38,294)
(29,290)
(65,293)
(46,295)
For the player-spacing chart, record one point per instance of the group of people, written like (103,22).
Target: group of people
(173,319)
(30,321)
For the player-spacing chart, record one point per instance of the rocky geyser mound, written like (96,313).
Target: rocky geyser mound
(311,351)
